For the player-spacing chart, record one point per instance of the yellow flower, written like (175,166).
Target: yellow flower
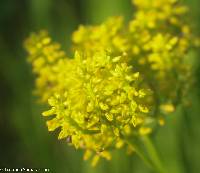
(156,41)
(107,36)
(47,60)
(122,77)
(85,110)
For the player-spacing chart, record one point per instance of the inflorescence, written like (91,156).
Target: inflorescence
(122,80)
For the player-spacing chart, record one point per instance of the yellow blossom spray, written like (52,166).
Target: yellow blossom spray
(121,83)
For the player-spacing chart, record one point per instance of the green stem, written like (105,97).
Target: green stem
(148,153)
(153,154)
(140,154)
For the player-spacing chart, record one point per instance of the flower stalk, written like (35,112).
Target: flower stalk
(147,152)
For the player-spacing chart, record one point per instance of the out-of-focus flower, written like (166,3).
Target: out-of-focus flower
(47,61)
(107,36)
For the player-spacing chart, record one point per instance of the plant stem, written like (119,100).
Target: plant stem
(140,153)
(153,154)
(148,153)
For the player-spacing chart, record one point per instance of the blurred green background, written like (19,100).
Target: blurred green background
(24,139)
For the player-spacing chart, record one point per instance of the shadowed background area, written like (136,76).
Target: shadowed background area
(25,141)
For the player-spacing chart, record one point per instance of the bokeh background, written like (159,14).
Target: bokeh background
(24,139)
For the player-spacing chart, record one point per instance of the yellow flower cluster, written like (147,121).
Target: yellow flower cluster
(157,40)
(161,39)
(47,60)
(122,79)
(153,14)
(107,36)
(96,99)
(102,102)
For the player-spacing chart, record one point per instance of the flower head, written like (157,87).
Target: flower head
(122,79)
(101,101)
(47,60)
